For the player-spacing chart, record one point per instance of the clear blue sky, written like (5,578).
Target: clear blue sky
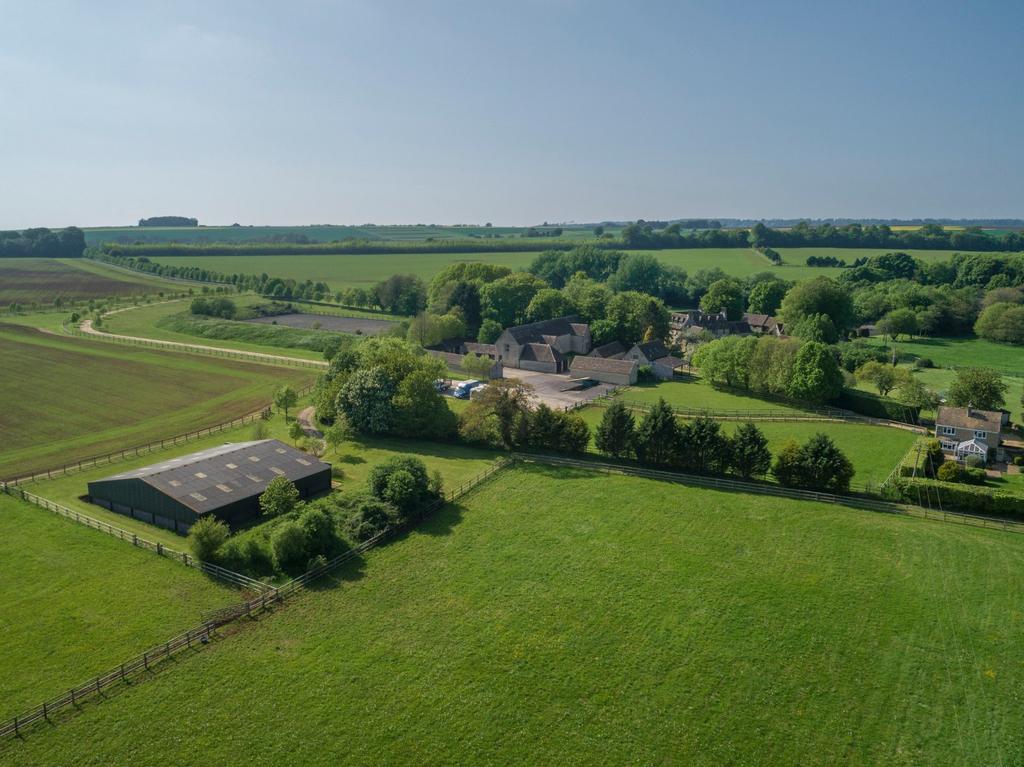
(516,112)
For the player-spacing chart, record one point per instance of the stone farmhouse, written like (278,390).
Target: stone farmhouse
(966,431)
(654,354)
(718,324)
(542,346)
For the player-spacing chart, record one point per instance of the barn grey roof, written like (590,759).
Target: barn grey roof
(208,479)
(653,350)
(540,353)
(535,331)
(614,349)
(582,364)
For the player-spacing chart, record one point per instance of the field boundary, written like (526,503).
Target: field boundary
(149,447)
(216,571)
(202,633)
(767,414)
(723,483)
(210,351)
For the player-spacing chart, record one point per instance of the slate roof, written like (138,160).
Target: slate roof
(540,353)
(487,350)
(670,361)
(653,350)
(208,479)
(582,364)
(535,331)
(613,350)
(969,418)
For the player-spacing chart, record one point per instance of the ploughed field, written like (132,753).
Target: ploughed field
(344,271)
(551,618)
(63,399)
(78,602)
(357,325)
(42,280)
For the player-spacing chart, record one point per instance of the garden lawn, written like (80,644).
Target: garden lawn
(42,280)
(566,617)
(77,602)
(63,399)
(697,393)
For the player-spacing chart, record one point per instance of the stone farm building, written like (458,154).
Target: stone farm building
(655,355)
(224,481)
(609,370)
(966,431)
(542,346)
(681,324)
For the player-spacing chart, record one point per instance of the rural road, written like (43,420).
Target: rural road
(86,327)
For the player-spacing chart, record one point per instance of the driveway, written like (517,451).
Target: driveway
(549,388)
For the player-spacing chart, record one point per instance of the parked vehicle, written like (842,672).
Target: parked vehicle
(462,389)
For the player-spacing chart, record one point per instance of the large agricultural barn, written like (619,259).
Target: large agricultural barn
(225,481)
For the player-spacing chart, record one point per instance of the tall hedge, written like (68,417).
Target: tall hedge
(875,406)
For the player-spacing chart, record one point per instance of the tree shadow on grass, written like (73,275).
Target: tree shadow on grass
(348,572)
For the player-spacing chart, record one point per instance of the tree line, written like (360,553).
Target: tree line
(42,243)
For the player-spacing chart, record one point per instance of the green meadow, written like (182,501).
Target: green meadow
(550,618)
(78,602)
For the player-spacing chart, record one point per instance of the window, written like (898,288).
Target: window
(506,348)
(281,450)
(200,475)
(277,470)
(949,446)
(303,461)
(980,434)
(948,430)
(231,465)
(174,483)
(254,458)
(224,488)
(198,496)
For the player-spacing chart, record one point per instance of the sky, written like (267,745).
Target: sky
(306,112)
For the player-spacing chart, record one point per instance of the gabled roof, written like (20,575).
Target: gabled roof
(582,364)
(535,331)
(672,362)
(652,350)
(540,353)
(972,446)
(487,350)
(969,418)
(208,479)
(613,349)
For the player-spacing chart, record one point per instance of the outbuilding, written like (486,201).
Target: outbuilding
(224,481)
(605,370)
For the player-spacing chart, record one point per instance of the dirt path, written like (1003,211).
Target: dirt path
(305,418)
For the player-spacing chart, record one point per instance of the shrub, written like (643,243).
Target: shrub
(1018,460)
(958,497)
(280,497)
(321,531)
(974,476)
(248,554)
(401,481)
(316,562)
(206,537)
(290,545)
(816,465)
(368,516)
(975,462)
(950,471)
(645,374)
(924,362)
(875,406)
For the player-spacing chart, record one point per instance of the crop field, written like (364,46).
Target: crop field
(408,233)
(78,602)
(42,280)
(628,621)
(65,399)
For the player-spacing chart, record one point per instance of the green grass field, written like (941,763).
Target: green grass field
(65,398)
(353,461)
(962,352)
(151,321)
(78,602)
(342,271)
(697,393)
(42,280)
(874,450)
(553,619)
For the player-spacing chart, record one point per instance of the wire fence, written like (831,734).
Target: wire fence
(202,633)
(765,414)
(724,483)
(133,452)
(160,549)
